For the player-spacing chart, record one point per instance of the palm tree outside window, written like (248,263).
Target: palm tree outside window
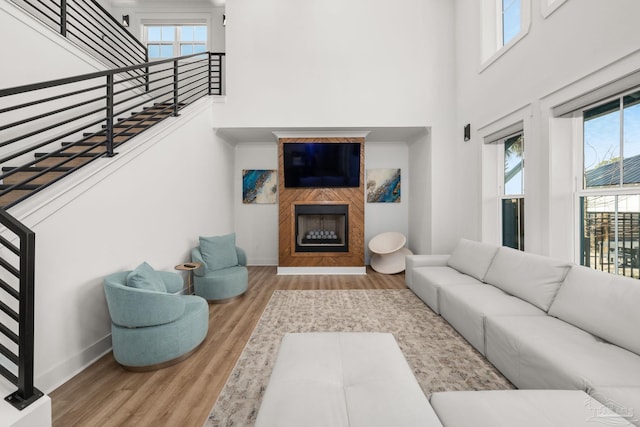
(512,202)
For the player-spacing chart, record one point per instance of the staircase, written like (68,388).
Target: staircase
(50,129)
(20,182)
(37,121)
(35,151)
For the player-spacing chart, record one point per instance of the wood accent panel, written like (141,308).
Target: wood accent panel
(289,197)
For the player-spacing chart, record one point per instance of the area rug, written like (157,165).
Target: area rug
(440,358)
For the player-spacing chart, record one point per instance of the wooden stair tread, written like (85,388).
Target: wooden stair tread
(27,187)
(80,148)
(102,139)
(66,154)
(53,161)
(21,176)
(12,196)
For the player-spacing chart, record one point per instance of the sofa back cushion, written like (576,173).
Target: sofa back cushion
(472,258)
(603,304)
(533,278)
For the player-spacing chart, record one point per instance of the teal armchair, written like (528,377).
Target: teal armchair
(152,329)
(223,284)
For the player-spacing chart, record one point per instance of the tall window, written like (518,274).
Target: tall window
(167,41)
(610,199)
(510,19)
(504,23)
(512,202)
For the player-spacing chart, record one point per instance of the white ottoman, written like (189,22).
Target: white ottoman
(523,408)
(343,379)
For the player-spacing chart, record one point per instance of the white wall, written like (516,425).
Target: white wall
(336,63)
(382,217)
(41,54)
(581,45)
(256,225)
(420,195)
(355,63)
(170,185)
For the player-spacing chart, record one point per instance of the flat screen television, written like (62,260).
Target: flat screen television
(321,165)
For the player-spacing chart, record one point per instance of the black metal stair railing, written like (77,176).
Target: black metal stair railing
(76,120)
(87,24)
(17,331)
(40,115)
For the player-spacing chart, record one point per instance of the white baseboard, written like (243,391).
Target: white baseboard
(63,372)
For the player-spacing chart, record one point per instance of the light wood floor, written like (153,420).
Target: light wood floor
(182,395)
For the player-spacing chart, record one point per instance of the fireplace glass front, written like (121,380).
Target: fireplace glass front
(321,228)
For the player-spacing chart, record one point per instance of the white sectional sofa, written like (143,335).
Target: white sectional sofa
(544,323)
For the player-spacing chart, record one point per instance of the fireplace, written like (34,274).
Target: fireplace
(321,228)
(304,213)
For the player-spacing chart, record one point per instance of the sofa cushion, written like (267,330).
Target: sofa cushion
(523,408)
(533,278)
(465,307)
(601,303)
(414,261)
(624,401)
(472,258)
(145,277)
(219,252)
(427,281)
(544,352)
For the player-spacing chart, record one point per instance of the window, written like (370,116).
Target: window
(510,20)
(512,199)
(504,23)
(610,196)
(167,41)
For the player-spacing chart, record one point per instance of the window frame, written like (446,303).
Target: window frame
(491,132)
(502,196)
(579,175)
(177,42)
(581,190)
(492,46)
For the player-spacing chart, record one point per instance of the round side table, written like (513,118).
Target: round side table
(189,267)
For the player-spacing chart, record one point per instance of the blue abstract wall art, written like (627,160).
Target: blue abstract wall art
(259,186)
(383,185)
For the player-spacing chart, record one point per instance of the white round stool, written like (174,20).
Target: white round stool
(388,252)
